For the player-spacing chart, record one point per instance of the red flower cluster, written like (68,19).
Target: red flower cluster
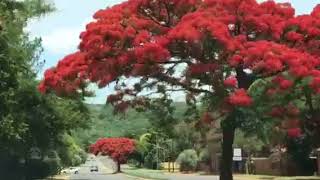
(67,77)
(268,57)
(231,81)
(117,148)
(240,98)
(282,111)
(193,27)
(294,132)
(201,68)
(315,84)
(282,82)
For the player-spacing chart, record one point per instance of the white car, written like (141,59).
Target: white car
(94,169)
(70,170)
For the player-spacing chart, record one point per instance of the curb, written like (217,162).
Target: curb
(140,178)
(59,177)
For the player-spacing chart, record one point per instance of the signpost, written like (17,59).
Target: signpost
(237,154)
(35,153)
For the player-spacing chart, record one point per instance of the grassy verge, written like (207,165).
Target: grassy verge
(263,177)
(161,175)
(58,177)
(145,173)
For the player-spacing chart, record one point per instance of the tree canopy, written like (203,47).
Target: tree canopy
(117,148)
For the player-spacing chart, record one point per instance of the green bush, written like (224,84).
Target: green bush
(37,169)
(53,166)
(76,160)
(83,156)
(299,150)
(188,160)
(204,155)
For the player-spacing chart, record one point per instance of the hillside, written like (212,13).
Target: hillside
(104,123)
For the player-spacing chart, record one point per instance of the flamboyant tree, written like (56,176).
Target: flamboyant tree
(117,148)
(211,49)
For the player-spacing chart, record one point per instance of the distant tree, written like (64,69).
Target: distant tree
(249,143)
(160,112)
(117,148)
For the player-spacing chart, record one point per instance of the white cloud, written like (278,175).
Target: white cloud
(63,40)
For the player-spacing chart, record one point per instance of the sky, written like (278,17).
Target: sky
(60,30)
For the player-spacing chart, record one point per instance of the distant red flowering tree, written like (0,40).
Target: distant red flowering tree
(117,148)
(214,49)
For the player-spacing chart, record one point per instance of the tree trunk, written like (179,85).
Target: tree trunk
(173,166)
(118,167)
(227,153)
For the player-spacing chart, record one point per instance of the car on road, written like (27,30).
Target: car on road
(70,170)
(94,169)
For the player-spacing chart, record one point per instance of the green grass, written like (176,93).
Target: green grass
(145,173)
(264,177)
(160,175)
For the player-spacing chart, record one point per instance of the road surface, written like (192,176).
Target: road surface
(105,170)
(106,167)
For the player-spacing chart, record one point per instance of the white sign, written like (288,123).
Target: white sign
(237,158)
(35,153)
(237,154)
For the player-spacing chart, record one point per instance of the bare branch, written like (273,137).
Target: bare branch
(175,82)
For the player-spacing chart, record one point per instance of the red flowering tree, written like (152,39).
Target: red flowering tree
(211,49)
(117,148)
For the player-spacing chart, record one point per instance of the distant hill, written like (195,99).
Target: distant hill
(106,124)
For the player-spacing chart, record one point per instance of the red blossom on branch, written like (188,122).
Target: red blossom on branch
(130,39)
(231,81)
(191,45)
(240,98)
(294,132)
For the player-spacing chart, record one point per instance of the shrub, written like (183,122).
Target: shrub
(53,165)
(299,150)
(204,155)
(83,155)
(37,169)
(188,160)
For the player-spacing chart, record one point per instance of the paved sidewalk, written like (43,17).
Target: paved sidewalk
(59,177)
(177,176)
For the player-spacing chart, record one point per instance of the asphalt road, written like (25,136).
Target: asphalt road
(105,171)
(106,167)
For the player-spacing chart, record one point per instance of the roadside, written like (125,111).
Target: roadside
(149,174)
(164,175)
(144,173)
(265,177)
(59,177)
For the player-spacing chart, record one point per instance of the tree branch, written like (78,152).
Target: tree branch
(308,96)
(151,17)
(175,82)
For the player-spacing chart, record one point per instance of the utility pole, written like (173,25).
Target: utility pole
(157,151)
